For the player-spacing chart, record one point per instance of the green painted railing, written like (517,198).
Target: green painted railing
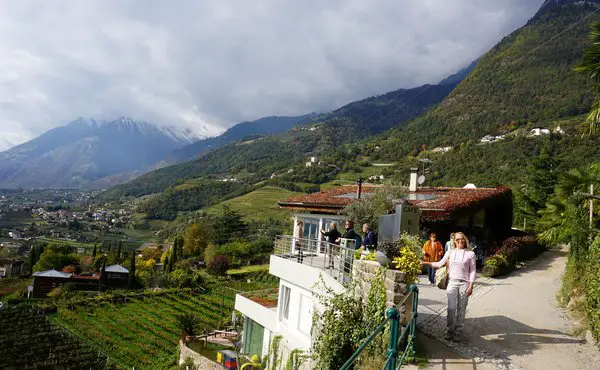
(398,338)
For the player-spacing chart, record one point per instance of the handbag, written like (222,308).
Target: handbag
(441,275)
(441,278)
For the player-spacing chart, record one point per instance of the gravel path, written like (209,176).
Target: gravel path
(514,322)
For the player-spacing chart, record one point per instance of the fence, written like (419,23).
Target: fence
(336,260)
(397,339)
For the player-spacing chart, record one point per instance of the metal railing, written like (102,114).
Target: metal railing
(398,338)
(335,260)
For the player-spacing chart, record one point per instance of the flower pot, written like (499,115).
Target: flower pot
(382,258)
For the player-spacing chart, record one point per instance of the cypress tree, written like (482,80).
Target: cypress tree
(119,254)
(131,279)
(32,257)
(103,275)
(167,264)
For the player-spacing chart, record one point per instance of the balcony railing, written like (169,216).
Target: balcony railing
(335,260)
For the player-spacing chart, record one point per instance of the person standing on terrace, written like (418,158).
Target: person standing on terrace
(350,233)
(333,238)
(432,252)
(461,278)
(370,240)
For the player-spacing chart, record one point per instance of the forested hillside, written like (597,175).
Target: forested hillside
(526,79)
(258,159)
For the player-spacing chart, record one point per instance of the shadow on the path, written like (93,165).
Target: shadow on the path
(499,337)
(514,337)
(440,355)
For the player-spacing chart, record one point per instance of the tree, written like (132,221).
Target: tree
(103,276)
(196,238)
(178,243)
(131,278)
(541,178)
(118,258)
(591,66)
(219,265)
(167,265)
(228,226)
(368,210)
(94,252)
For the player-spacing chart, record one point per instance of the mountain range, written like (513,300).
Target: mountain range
(85,150)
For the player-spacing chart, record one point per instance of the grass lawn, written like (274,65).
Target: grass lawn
(247,269)
(259,204)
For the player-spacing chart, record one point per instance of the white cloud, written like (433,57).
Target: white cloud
(207,65)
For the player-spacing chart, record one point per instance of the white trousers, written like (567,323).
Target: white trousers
(457,306)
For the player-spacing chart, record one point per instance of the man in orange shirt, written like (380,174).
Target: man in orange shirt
(432,252)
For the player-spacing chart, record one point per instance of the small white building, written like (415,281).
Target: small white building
(539,131)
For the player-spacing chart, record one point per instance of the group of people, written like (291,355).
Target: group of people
(369,241)
(461,265)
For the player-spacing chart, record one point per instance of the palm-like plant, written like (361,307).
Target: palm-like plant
(563,220)
(189,324)
(591,67)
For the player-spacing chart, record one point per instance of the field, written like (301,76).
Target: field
(259,204)
(143,332)
(29,341)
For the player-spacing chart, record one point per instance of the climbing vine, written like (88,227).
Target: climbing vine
(345,321)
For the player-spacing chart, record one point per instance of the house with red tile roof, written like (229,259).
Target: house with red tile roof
(482,213)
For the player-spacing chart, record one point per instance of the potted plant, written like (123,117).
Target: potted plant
(188,323)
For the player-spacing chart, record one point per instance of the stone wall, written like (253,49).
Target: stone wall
(199,360)
(364,272)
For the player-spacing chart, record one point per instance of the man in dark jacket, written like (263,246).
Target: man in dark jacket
(370,240)
(350,233)
(333,238)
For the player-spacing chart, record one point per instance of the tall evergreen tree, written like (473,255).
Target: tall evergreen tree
(103,276)
(166,264)
(32,257)
(179,243)
(119,254)
(131,278)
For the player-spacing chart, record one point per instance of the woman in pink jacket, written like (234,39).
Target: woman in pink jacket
(461,277)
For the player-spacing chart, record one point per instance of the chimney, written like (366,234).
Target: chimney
(412,187)
(359,188)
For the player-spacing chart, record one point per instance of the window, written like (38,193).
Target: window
(284,302)
(253,337)
(306,313)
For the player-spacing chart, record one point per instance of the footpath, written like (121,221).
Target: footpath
(512,322)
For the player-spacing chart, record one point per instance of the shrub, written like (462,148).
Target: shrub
(409,263)
(219,265)
(512,250)
(592,290)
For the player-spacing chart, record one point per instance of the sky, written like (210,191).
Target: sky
(207,65)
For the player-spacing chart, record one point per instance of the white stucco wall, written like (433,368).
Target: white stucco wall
(266,317)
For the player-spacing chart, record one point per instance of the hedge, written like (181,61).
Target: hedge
(592,289)
(512,251)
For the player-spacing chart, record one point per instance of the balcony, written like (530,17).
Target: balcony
(332,259)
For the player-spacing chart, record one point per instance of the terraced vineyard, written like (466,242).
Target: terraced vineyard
(143,332)
(30,341)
